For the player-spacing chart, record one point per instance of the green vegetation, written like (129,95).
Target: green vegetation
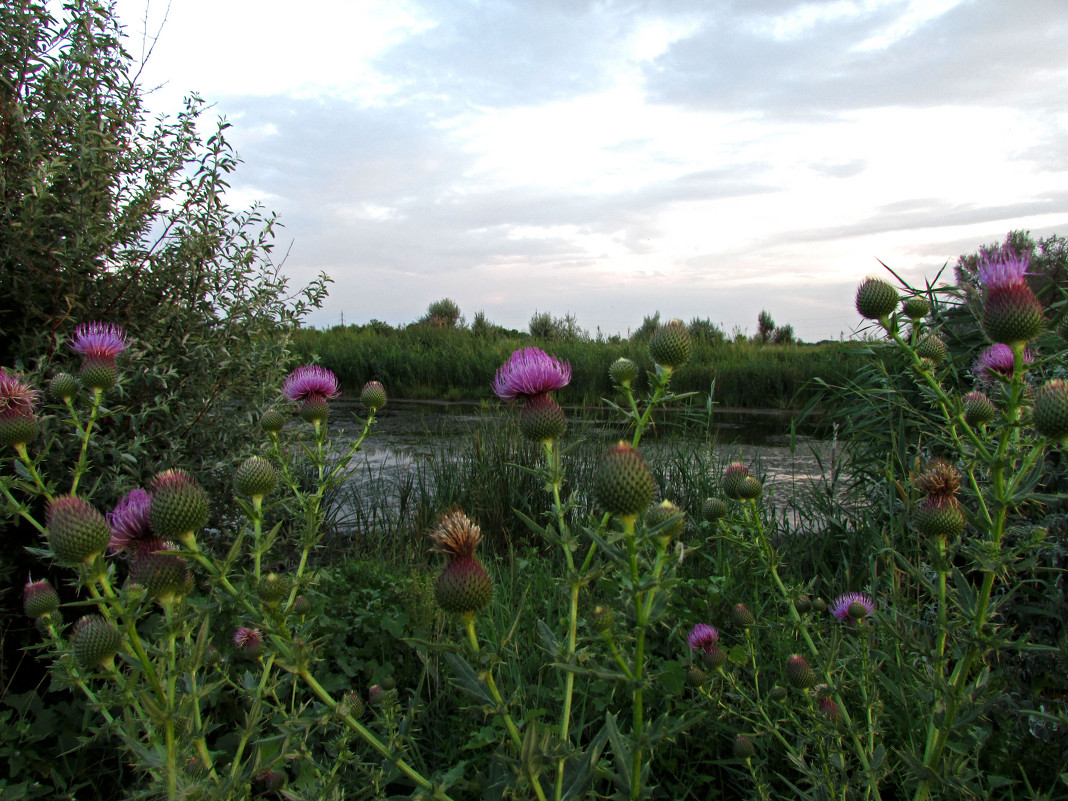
(420,362)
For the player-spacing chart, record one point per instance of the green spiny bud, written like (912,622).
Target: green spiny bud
(713,657)
(670,346)
(95,642)
(933,348)
(624,485)
(352,704)
(164,574)
(1050,410)
(76,531)
(17,428)
(714,509)
(542,419)
(63,386)
(777,693)
(623,371)
(272,588)
(373,395)
(939,516)
(179,505)
(669,515)
(743,747)
(916,308)
(1011,313)
(695,677)
(979,410)
(803,604)
(742,617)
(255,477)
(733,477)
(301,606)
(272,421)
(799,673)
(876,299)
(40,599)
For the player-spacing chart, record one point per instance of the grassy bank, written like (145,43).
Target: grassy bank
(423,362)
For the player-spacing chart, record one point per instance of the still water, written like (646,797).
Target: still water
(408,432)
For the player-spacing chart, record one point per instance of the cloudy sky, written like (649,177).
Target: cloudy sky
(611,159)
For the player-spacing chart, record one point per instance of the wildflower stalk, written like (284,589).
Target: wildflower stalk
(771,560)
(368,737)
(86,432)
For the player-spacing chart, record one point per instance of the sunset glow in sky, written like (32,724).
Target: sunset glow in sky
(613,159)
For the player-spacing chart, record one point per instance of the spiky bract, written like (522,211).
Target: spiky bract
(670,346)
(622,371)
(799,673)
(714,509)
(255,477)
(932,347)
(1050,410)
(939,516)
(95,642)
(272,421)
(542,419)
(63,386)
(876,299)
(743,747)
(464,586)
(916,308)
(39,598)
(163,573)
(668,515)
(179,505)
(979,410)
(272,588)
(623,485)
(76,531)
(742,617)
(734,477)
(373,395)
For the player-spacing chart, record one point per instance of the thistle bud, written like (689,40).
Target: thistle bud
(777,693)
(799,673)
(670,346)
(62,387)
(1011,313)
(301,606)
(164,574)
(876,299)
(819,605)
(603,619)
(95,642)
(272,588)
(352,705)
(17,428)
(464,586)
(76,531)
(623,371)
(669,515)
(542,419)
(829,709)
(742,617)
(624,485)
(743,747)
(695,677)
(255,477)
(373,395)
(733,478)
(939,516)
(272,421)
(179,506)
(933,348)
(803,604)
(39,599)
(978,409)
(1050,410)
(713,657)
(916,308)
(714,509)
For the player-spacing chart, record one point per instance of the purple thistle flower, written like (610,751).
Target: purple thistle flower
(249,641)
(702,637)
(843,603)
(997,361)
(310,382)
(1002,268)
(15,395)
(98,341)
(529,372)
(129,522)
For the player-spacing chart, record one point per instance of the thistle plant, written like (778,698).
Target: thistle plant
(159,657)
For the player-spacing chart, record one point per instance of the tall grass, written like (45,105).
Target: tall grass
(424,362)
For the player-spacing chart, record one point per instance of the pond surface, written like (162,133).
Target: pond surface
(408,432)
